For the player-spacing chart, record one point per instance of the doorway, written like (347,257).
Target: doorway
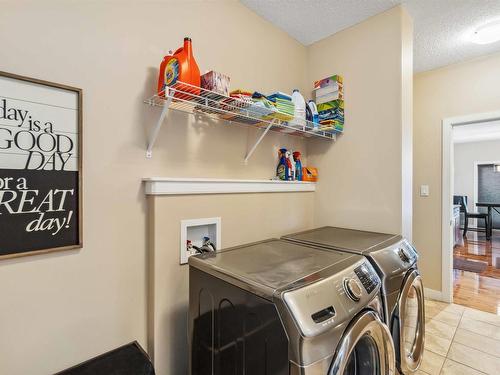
(465,266)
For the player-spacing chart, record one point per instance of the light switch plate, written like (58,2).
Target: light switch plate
(424,190)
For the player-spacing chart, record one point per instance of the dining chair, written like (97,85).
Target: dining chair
(474,215)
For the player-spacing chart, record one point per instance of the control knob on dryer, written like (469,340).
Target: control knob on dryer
(353,289)
(403,255)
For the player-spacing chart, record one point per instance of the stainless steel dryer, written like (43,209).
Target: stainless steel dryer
(281,308)
(395,261)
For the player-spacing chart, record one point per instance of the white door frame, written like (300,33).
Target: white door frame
(447,195)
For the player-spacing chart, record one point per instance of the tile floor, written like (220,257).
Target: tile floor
(460,341)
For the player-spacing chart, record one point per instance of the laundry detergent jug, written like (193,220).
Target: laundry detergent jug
(180,67)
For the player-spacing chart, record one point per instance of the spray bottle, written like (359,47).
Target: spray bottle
(291,166)
(282,168)
(298,166)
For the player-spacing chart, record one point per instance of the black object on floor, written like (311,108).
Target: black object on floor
(129,359)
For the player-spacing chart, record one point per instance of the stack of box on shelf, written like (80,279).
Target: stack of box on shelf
(329,94)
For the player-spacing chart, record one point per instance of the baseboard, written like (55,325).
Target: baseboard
(433,294)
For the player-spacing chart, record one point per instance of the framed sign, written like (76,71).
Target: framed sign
(40,166)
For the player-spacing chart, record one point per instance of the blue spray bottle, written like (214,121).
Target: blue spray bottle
(298,166)
(282,168)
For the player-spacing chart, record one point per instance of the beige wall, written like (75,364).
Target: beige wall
(57,310)
(245,218)
(365,175)
(61,309)
(465,156)
(378,122)
(461,89)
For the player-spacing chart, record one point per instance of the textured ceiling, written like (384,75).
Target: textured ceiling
(442,27)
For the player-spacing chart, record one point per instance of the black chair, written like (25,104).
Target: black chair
(473,215)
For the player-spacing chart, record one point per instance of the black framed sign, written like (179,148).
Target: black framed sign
(40,166)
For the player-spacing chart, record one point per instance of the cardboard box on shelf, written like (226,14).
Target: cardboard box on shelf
(335,82)
(329,89)
(328,97)
(309,174)
(216,82)
(332,104)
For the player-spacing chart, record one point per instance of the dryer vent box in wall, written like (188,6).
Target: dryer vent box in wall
(195,230)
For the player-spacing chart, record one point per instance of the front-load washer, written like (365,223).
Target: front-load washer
(395,261)
(281,308)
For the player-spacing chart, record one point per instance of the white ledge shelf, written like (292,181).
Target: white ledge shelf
(186,186)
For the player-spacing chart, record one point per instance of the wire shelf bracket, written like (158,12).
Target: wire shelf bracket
(252,150)
(156,129)
(242,111)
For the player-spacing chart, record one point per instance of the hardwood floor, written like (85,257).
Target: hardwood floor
(479,290)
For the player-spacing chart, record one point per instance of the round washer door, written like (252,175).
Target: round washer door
(409,324)
(365,349)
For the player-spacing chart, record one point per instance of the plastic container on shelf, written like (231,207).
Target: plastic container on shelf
(299,114)
(298,166)
(314,114)
(282,170)
(309,116)
(291,166)
(177,68)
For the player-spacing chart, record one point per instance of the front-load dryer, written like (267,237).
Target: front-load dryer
(281,308)
(395,261)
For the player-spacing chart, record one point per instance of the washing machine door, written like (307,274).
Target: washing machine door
(408,326)
(366,348)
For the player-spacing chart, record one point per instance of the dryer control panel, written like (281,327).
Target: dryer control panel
(319,306)
(393,262)
(368,277)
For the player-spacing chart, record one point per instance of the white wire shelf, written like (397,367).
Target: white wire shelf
(195,100)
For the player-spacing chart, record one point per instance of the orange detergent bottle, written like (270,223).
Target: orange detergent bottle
(180,67)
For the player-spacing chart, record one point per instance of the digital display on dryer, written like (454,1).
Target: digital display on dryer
(369,280)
